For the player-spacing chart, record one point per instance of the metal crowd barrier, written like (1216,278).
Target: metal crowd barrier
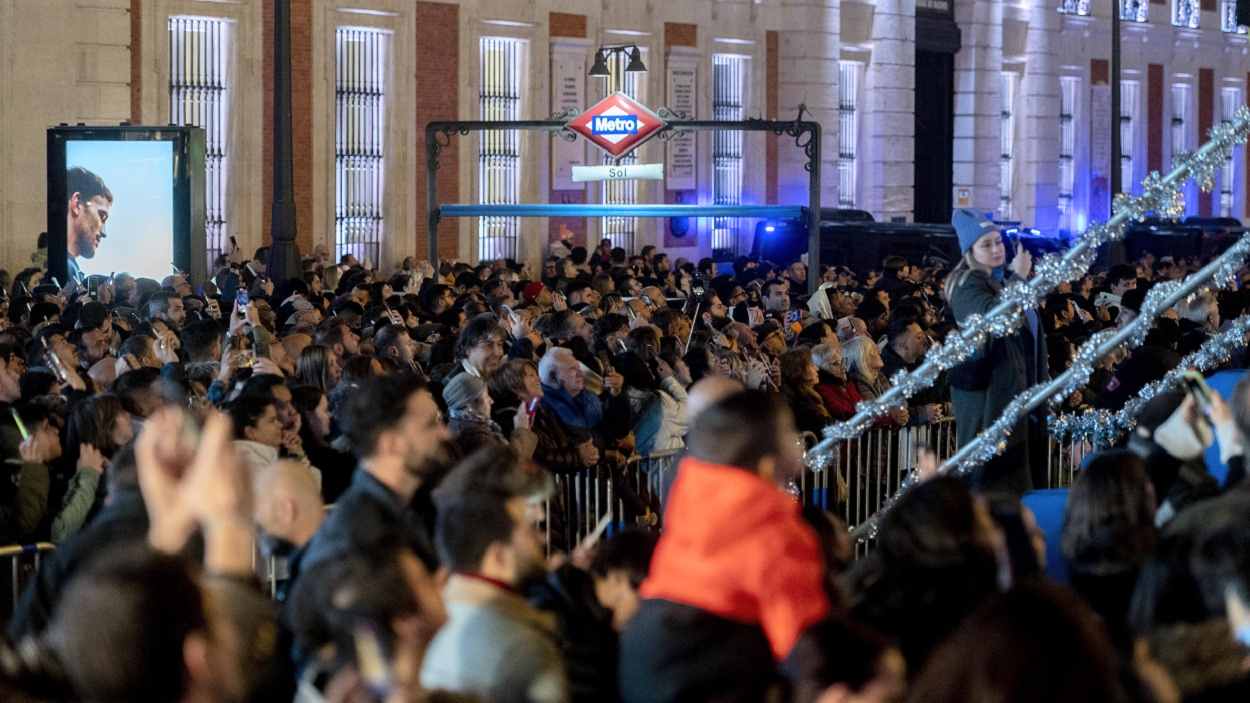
(1064,460)
(18,555)
(633,494)
(867,469)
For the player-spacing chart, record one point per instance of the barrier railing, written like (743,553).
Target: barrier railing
(20,555)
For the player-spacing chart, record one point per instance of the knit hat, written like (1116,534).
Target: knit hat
(970,226)
(463,389)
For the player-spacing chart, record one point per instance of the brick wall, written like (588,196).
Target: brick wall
(438,95)
(1206,118)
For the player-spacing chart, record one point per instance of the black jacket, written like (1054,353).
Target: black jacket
(366,515)
(672,652)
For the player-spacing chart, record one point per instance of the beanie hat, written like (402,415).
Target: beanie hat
(461,390)
(531,292)
(970,226)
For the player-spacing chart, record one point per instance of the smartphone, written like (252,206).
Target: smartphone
(241,298)
(532,407)
(21,426)
(1197,386)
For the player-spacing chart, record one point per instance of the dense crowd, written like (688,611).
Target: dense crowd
(400,446)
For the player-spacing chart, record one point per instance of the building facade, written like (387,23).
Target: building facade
(925,105)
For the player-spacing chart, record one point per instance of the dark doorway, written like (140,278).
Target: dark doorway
(935,134)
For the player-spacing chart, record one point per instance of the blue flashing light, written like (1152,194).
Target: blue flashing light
(770,228)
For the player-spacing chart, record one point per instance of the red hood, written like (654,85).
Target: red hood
(735,546)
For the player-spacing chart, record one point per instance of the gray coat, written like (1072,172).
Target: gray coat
(495,646)
(985,384)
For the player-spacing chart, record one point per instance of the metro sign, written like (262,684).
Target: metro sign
(618,124)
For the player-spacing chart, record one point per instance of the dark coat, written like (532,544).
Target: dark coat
(366,515)
(983,386)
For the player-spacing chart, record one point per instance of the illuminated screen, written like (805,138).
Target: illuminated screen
(120,207)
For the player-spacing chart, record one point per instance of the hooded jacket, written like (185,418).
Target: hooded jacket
(736,546)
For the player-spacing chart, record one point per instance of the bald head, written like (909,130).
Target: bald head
(709,391)
(288,502)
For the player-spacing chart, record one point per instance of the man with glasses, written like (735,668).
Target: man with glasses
(85,216)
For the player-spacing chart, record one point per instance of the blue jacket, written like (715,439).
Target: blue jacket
(584,412)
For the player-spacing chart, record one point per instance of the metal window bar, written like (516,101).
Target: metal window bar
(1069,86)
(622,230)
(1135,10)
(1185,13)
(23,565)
(1180,119)
(1128,108)
(499,151)
(359,147)
(1074,7)
(199,95)
(1228,17)
(1007,142)
(729,73)
(1230,99)
(848,131)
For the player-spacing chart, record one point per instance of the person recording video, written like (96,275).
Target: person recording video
(85,216)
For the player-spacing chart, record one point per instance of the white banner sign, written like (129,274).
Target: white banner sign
(624,172)
(568,90)
(680,156)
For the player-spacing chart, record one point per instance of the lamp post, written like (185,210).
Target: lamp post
(283,256)
(618,54)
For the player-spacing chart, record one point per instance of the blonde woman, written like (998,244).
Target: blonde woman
(985,384)
(863,369)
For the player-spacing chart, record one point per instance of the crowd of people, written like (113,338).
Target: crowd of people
(400,445)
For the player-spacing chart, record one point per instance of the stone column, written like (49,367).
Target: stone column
(1037,188)
(978,103)
(889,120)
(809,51)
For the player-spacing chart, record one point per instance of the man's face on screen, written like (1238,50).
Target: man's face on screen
(91,216)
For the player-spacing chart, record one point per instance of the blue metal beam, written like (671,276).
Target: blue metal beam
(592,210)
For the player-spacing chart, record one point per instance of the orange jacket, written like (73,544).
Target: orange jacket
(736,546)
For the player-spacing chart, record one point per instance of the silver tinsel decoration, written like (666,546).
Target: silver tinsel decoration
(1103,427)
(1160,196)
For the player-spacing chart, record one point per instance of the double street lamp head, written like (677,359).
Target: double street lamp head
(600,67)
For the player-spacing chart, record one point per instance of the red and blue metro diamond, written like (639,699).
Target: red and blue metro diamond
(617,124)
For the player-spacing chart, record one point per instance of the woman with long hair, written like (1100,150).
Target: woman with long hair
(863,370)
(318,367)
(1109,533)
(315,431)
(799,377)
(983,386)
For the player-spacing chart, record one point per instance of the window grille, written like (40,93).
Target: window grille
(199,95)
(1074,7)
(1180,120)
(1230,99)
(1007,140)
(848,131)
(1185,13)
(1069,88)
(499,151)
(729,97)
(1128,108)
(359,144)
(1228,17)
(1135,10)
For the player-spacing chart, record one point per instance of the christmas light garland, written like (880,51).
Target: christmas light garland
(993,440)
(1160,196)
(1103,427)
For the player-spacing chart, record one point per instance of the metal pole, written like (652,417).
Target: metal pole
(431,194)
(1116,252)
(283,256)
(813,211)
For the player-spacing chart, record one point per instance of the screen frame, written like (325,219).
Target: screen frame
(188,190)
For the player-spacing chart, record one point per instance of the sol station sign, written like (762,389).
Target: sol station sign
(618,124)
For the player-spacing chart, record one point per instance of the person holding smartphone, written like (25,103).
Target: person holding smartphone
(983,386)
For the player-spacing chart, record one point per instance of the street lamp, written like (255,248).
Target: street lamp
(600,67)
